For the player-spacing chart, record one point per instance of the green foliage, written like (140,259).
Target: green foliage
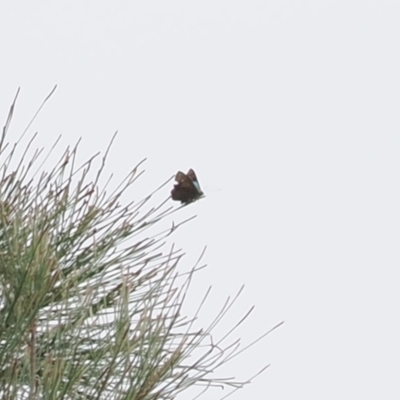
(87,310)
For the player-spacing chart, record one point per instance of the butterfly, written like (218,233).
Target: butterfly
(187,188)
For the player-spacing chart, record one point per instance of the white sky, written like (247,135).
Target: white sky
(289,113)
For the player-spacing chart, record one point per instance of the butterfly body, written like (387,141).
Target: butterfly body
(187,189)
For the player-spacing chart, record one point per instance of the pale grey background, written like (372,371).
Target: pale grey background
(291,112)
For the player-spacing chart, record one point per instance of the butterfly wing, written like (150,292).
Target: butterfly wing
(193,177)
(183,179)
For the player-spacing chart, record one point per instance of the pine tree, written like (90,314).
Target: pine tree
(91,297)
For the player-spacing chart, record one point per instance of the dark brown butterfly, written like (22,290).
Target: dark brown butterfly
(187,188)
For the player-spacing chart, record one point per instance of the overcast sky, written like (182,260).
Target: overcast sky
(289,112)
